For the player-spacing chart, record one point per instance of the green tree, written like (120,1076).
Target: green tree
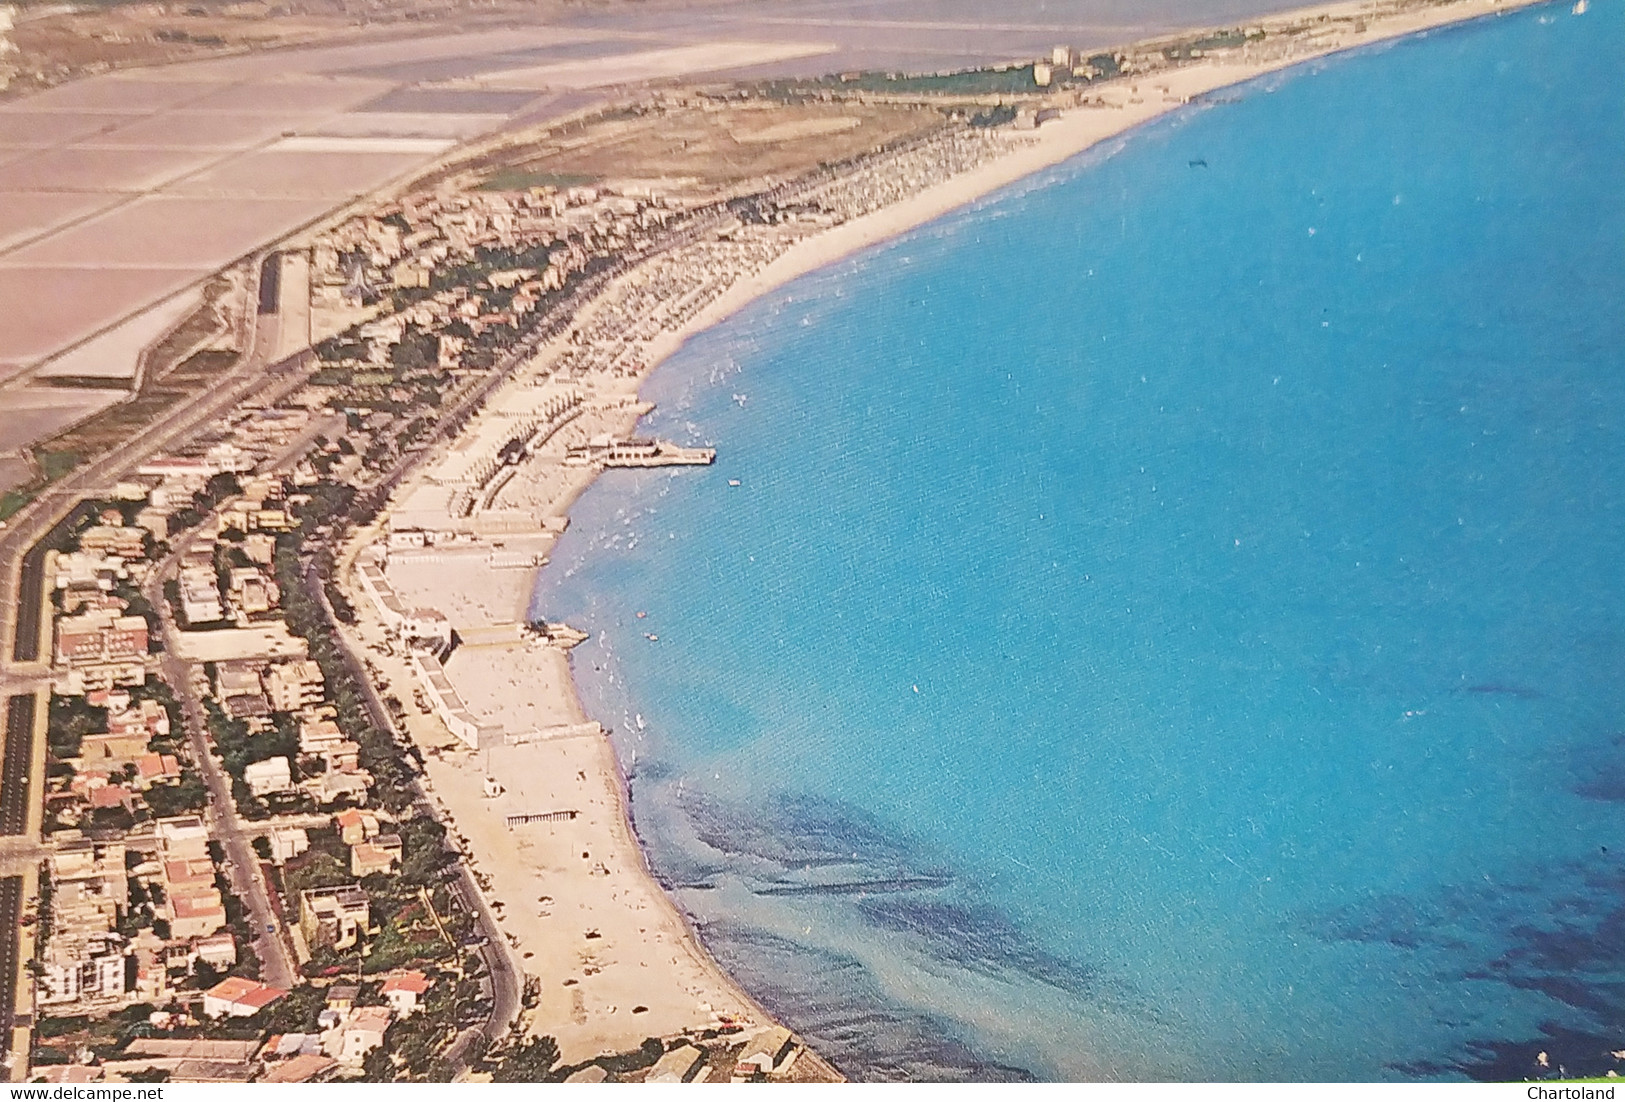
(415,351)
(529,1063)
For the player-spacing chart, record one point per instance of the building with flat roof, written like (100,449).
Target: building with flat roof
(290,686)
(85,970)
(268,777)
(335,917)
(99,650)
(680,1065)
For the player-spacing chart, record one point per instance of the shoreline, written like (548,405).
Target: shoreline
(555,693)
(1077,132)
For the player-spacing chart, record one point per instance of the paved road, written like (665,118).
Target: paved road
(505,972)
(15,769)
(251,372)
(11,913)
(249,375)
(242,864)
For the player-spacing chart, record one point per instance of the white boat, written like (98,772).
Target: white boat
(1580,6)
(733,482)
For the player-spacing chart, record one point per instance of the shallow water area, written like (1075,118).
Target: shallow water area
(1168,621)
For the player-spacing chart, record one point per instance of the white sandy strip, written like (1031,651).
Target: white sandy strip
(402,124)
(643,66)
(1079,129)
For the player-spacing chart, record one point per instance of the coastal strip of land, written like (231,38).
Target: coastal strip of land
(529,779)
(356,763)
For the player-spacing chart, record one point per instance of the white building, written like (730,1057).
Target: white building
(89,969)
(269,776)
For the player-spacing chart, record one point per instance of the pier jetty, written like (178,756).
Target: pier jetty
(634,452)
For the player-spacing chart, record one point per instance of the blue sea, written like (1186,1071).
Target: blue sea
(1171,620)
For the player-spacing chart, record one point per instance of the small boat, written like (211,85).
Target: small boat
(1580,6)
(733,482)
(651,637)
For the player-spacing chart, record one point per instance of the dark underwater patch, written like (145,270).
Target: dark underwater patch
(1600,770)
(835,1003)
(1570,1054)
(981,939)
(816,848)
(1561,934)
(861,887)
(800,832)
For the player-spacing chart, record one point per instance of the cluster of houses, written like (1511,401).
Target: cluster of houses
(403,243)
(229,576)
(402,246)
(348,1031)
(350,1026)
(137,906)
(327,769)
(98,644)
(138,920)
(100,656)
(132,924)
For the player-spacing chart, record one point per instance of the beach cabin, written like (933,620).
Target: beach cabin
(680,1065)
(765,1052)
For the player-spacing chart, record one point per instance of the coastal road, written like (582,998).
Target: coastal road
(34,522)
(11,914)
(16,768)
(242,864)
(505,972)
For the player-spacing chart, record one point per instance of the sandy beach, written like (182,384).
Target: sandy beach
(1131,103)
(612,958)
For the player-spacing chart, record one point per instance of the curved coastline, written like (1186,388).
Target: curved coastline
(1059,144)
(1079,131)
